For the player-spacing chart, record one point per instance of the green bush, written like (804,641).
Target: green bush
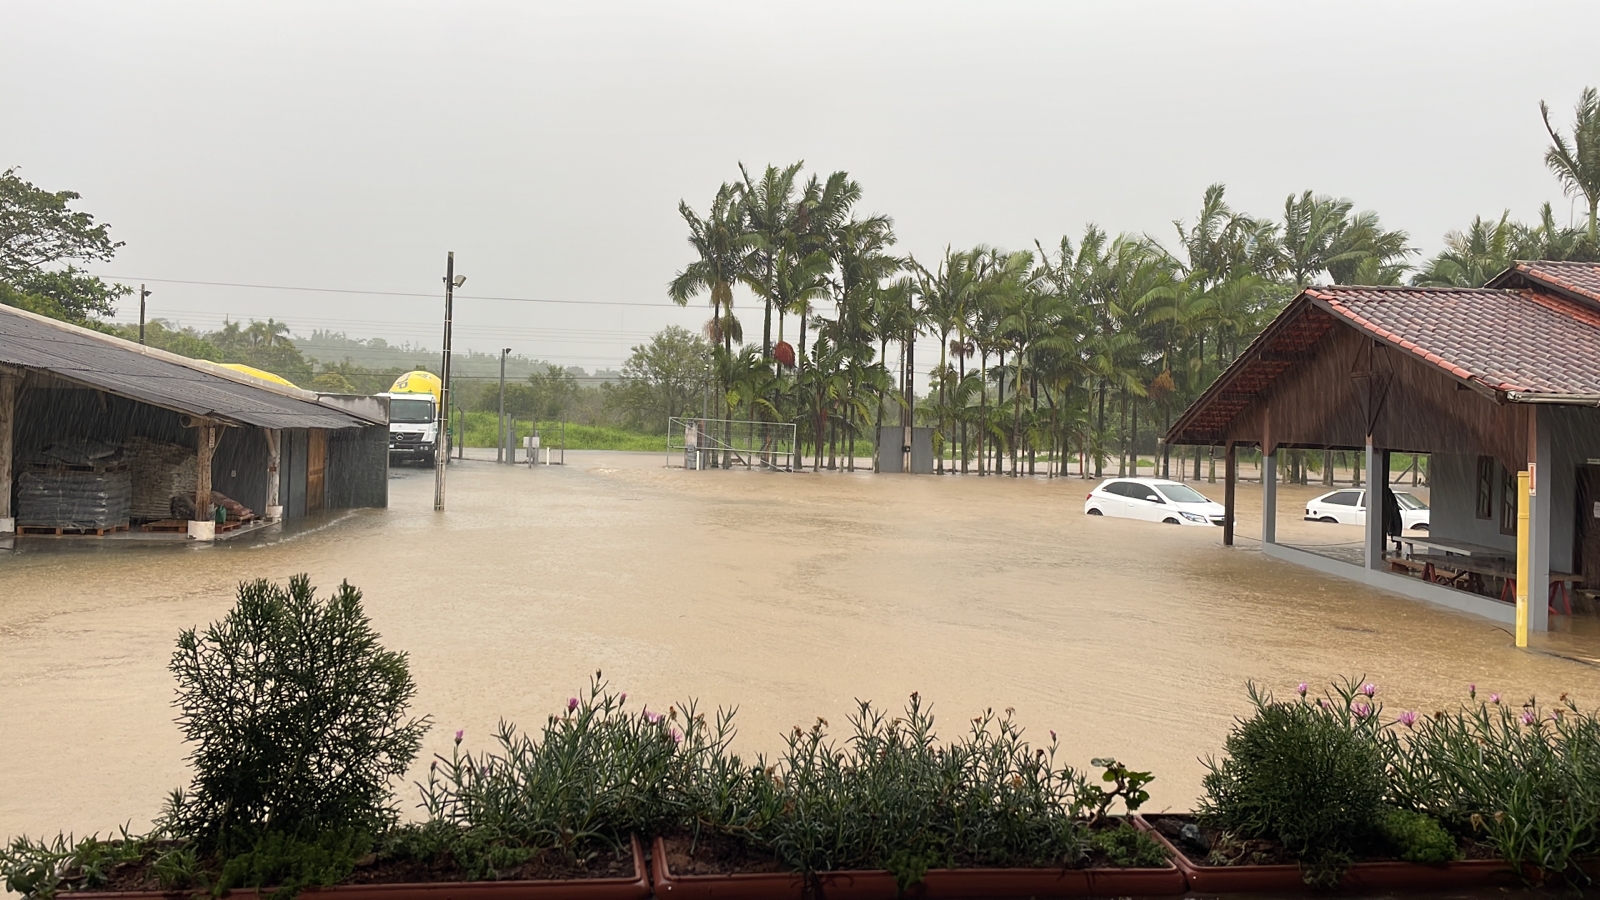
(594,775)
(1417,838)
(1308,775)
(1524,779)
(297,718)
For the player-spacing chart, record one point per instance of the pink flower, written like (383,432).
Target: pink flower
(460,732)
(623,698)
(1472,691)
(1301,688)
(651,717)
(1369,689)
(1052,735)
(572,703)
(1361,710)
(1494,698)
(1528,718)
(1408,718)
(677,736)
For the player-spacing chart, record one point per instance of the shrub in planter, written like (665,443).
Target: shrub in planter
(893,797)
(1307,775)
(297,717)
(1524,778)
(571,796)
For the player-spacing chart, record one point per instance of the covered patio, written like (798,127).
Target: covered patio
(1487,382)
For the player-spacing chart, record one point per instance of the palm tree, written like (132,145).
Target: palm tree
(723,246)
(1576,163)
(770,209)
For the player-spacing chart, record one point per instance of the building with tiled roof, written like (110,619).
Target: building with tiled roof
(1487,382)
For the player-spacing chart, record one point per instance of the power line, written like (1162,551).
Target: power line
(322,290)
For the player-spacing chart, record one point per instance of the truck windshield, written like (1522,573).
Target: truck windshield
(410,411)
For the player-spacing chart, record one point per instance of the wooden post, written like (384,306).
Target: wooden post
(8,429)
(1377,479)
(1230,481)
(206,444)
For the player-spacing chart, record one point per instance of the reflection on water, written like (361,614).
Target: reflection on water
(788,595)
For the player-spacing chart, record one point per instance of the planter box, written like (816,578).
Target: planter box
(1370,876)
(636,887)
(937,884)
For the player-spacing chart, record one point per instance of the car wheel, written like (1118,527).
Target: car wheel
(1420,526)
(1095,512)
(1170,521)
(1329,519)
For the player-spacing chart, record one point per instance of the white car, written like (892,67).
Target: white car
(1349,507)
(1154,500)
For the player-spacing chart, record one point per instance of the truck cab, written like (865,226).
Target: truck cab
(413,428)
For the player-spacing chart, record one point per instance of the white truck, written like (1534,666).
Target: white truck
(414,418)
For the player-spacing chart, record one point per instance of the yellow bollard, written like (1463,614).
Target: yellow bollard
(1522,559)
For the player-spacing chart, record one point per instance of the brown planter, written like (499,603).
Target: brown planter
(634,888)
(1371,876)
(936,884)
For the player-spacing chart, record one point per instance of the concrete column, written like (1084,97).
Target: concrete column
(1539,519)
(9,385)
(1230,482)
(1377,479)
(1269,497)
(274,510)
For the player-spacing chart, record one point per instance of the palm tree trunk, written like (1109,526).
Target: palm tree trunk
(961,363)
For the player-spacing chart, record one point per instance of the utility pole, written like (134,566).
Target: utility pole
(500,451)
(142,294)
(451,282)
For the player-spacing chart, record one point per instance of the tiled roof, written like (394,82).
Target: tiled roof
(1512,341)
(1580,278)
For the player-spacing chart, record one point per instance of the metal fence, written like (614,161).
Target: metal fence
(726,443)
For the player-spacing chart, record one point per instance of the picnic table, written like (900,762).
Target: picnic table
(1468,572)
(1456,548)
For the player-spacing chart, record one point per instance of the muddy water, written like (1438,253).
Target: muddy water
(788,595)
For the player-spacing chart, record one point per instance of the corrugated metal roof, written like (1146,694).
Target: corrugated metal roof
(129,370)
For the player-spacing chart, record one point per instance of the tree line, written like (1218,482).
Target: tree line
(1084,348)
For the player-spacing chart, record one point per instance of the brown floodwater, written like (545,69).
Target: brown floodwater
(786,595)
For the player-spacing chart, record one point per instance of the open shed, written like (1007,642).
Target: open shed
(99,435)
(1488,382)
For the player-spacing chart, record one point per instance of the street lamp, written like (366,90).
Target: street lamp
(451,282)
(500,454)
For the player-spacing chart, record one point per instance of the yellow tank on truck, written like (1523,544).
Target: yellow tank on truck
(419,382)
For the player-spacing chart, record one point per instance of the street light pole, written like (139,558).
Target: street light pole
(500,453)
(451,282)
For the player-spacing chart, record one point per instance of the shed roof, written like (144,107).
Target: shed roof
(161,379)
(1517,345)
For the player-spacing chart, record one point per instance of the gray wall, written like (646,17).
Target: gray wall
(358,468)
(1574,439)
(1453,496)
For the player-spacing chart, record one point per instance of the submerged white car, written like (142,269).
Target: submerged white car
(1349,507)
(1154,500)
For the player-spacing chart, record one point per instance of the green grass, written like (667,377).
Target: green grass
(481,432)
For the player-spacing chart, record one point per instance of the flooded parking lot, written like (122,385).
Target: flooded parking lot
(788,595)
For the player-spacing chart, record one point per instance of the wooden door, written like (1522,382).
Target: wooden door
(316,469)
(1588,533)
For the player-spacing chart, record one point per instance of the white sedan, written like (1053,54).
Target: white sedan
(1349,507)
(1154,500)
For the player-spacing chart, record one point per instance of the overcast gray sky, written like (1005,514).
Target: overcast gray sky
(350,144)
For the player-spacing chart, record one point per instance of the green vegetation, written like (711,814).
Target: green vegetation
(481,432)
(1308,776)
(1085,347)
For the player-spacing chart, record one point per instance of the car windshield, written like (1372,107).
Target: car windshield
(1409,501)
(411,412)
(1182,493)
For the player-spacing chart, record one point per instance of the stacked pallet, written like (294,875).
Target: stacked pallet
(160,471)
(62,499)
